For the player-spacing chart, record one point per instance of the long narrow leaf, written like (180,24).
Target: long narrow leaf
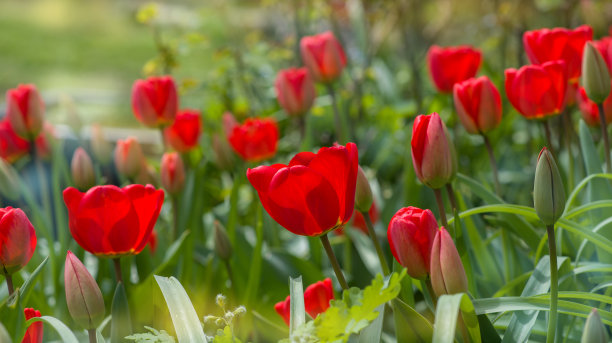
(447,311)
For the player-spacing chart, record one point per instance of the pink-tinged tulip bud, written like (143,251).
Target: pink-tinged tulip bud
(433,153)
(411,234)
(323,56)
(34,333)
(82,170)
(478,104)
(447,273)
(224,155)
(450,65)
(154,101)
(295,90)
(102,149)
(172,172)
(594,329)
(25,111)
(184,134)
(590,110)
(363,192)
(128,157)
(83,296)
(17,240)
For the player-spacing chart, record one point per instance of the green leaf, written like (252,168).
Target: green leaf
(373,331)
(121,323)
(410,325)
(184,317)
(225,336)
(62,330)
(297,311)
(24,290)
(448,309)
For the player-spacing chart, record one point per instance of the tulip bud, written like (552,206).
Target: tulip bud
(447,273)
(17,240)
(223,245)
(594,330)
(363,192)
(595,74)
(82,170)
(172,172)
(548,192)
(411,234)
(128,157)
(25,110)
(323,56)
(224,155)
(83,296)
(295,90)
(9,181)
(478,104)
(154,101)
(101,148)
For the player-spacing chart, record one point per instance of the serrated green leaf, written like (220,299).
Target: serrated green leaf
(153,336)
(225,336)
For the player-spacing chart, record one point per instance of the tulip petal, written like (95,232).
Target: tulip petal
(147,202)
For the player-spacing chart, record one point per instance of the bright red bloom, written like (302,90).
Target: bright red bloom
(17,240)
(295,90)
(590,110)
(433,153)
(411,234)
(184,133)
(537,91)
(604,46)
(323,56)
(112,221)
(34,333)
(316,300)
(255,140)
(172,172)
(450,65)
(478,104)
(314,193)
(12,147)
(154,101)
(546,45)
(25,110)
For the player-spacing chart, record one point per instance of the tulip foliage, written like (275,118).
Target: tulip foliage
(342,179)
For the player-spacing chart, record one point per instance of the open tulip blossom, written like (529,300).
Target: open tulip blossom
(255,140)
(449,65)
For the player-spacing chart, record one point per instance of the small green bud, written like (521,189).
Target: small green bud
(548,192)
(363,192)
(223,246)
(594,330)
(595,74)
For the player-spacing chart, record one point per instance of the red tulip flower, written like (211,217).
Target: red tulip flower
(604,46)
(314,193)
(172,172)
(111,221)
(295,90)
(537,91)
(478,104)
(34,333)
(433,153)
(546,45)
(255,140)
(184,134)
(154,101)
(12,147)
(17,240)
(411,234)
(450,65)
(323,56)
(447,272)
(316,300)
(590,110)
(25,110)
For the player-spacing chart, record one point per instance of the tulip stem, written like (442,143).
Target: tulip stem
(92,336)
(374,238)
(333,261)
(337,120)
(432,294)
(230,275)
(495,173)
(9,282)
(441,207)
(552,318)
(117,265)
(604,134)
(163,140)
(567,128)
(547,131)
(175,213)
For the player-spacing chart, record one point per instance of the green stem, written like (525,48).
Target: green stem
(604,134)
(117,265)
(552,319)
(163,140)
(333,261)
(337,120)
(9,282)
(374,238)
(233,210)
(567,126)
(493,164)
(547,131)
(230,275)
(92,336)
(441,207)
(175,215)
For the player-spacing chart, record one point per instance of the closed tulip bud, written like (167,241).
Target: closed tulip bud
(548,192)
(17,240)
(447,273)
(594,329)
(172,172)
(128,157)
(223,245)
(154,101)
(478,104)
(323,56)
(9,181)
(363,192)
(295,90)
(433,153)
(411,234)
(25,111)
(184,134)
(595,74)
(83,296)
(102,149)
(82,170)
